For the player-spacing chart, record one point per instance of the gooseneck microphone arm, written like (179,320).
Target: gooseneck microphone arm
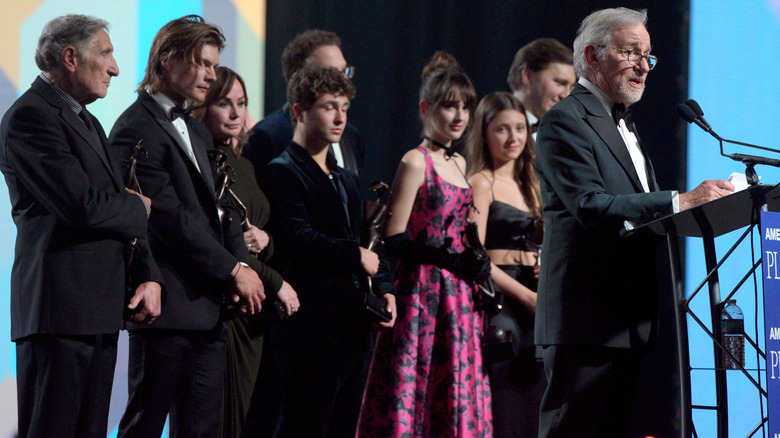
(691,112)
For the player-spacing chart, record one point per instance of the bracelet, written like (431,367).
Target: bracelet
(240,264)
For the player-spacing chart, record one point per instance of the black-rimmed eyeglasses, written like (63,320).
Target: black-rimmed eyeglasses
(634,57)
(349,71)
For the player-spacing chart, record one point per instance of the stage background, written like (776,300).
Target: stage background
(731,63)
(732,47)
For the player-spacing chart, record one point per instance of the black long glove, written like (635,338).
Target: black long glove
(465,265)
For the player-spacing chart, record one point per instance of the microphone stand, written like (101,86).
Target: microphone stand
(749,161)
(691,112)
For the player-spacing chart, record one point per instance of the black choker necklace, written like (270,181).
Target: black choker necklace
(448,150)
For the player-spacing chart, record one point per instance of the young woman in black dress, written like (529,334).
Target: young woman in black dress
(500,153)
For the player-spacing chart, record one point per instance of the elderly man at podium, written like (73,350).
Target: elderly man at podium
(596,309)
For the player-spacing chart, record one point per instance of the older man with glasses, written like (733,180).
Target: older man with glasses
(596,310)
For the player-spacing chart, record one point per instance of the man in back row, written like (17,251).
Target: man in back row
(269,137)
(541,75)
(74,220)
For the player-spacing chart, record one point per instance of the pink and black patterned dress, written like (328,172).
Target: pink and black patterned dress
(426,378)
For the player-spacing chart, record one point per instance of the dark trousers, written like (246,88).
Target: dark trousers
(265,409)
(64,384)
(176,371)
(517,386)
(590,391)
(323,391)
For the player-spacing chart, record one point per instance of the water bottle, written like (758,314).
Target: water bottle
(732,329)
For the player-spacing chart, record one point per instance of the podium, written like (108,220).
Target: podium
(709,221)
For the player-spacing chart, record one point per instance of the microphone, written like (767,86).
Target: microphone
(689,115)
(693,105)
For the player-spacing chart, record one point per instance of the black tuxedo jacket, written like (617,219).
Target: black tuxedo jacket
(73,220)
(596,288)
(317,251)
(270,136)
(193,250)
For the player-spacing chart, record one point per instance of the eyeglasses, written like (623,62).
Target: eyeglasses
(634,57)
(349,71)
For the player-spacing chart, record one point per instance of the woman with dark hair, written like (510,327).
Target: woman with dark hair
(224,114)
(427,378)
(501,156)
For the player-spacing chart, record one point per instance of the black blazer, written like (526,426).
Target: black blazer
(73,220)
(317,249)
(595,288)
(194,252)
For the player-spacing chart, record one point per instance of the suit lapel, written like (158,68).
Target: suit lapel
(113,162)
(605,127)
(355,204)
(200,149)
(162,120)
(96,142)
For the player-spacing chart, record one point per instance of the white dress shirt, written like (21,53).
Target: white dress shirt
(167,105)
(629,139)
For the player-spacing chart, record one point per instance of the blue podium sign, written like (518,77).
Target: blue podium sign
(770,246)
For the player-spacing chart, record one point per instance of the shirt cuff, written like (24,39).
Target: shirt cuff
(146,207)
(675,201)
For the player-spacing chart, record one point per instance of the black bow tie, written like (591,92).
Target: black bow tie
(534,127)
(178,111)
(619,111)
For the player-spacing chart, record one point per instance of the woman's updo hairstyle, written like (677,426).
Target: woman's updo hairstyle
(443,81)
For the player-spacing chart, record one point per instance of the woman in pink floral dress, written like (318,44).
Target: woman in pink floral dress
(427,378)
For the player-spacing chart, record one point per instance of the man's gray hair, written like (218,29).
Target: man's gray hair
(68,30)
(597,29)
